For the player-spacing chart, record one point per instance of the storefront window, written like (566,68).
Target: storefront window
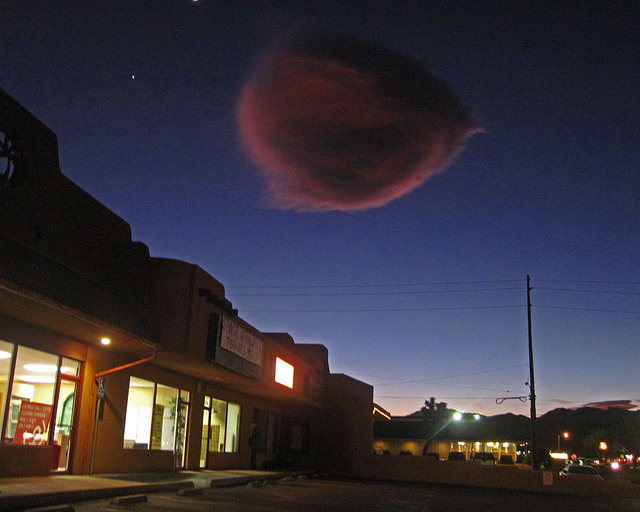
(32,395)
(164,418)
(233,428)
(218,419)
(69,367)
(6,353)
(137,427)
(182,413)
(156,417)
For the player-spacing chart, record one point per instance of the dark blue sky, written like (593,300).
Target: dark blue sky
(425,296)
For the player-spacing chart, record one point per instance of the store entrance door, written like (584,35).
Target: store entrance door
(63,431)
(204,447)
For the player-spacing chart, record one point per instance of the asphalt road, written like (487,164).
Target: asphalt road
(313,495)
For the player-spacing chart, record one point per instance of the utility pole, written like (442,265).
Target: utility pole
(532,384)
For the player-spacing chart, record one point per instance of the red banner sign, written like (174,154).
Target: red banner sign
(33,423)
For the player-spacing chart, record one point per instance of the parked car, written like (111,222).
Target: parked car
(484,458)
(506,459)
(581,470)
(457,456)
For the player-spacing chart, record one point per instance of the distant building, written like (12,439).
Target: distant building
(500,435)
(185,382)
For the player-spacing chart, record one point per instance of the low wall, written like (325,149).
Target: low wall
(23,460)
(517,477)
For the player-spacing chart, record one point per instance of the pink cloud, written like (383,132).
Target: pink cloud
(621,404)
(337,124)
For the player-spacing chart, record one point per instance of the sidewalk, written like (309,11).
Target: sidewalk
(23,493)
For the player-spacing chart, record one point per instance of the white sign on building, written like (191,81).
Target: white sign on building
(240,341)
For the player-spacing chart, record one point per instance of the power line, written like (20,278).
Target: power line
(586,282)
(587,291)
(379,310)
(345,294)
(436,379)
(379,285)
(589,309)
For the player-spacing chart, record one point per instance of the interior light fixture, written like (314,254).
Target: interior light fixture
(105,341)
(4,354)
(38,379)
(41,368)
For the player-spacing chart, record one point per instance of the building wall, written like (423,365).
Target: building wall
(348,420)
(70,274)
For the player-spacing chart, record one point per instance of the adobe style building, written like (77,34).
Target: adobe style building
(184,382)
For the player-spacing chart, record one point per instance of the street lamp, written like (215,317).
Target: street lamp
(565,435)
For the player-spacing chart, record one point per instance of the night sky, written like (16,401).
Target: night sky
(403,246)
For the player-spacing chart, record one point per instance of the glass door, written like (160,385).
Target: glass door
(64,422)
(65,411)
(204,447)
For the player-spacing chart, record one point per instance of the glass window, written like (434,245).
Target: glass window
(218,422)
(137,427)
(70,367)
(233,428)
(181,415)
(6,354)
(32,396)
(156,417)
(221,427)
(164,418)
(204,446)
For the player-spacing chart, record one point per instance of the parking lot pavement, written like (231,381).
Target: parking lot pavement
(30,492)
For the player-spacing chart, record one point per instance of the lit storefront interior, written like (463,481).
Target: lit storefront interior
(156,418)
(37,399)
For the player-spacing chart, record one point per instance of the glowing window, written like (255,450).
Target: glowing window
(284,373)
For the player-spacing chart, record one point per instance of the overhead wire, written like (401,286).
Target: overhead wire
(395,289)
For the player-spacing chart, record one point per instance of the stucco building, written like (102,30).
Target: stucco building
(184,382)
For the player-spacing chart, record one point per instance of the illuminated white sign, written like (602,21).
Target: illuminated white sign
(284,373)
(241,342)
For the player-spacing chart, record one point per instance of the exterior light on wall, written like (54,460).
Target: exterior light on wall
(105,341)
(284,373)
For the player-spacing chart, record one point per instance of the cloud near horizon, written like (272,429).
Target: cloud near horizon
(338,124)
(621,404)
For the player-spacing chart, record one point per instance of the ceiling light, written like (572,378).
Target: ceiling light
(38,379)
(41,368)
